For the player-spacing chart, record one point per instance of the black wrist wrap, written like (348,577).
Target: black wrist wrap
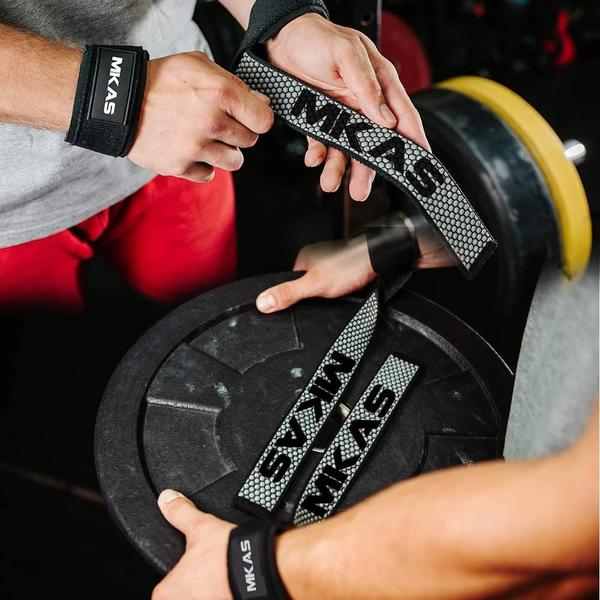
(268,17)
(251,563)
(392,249)
(108,99)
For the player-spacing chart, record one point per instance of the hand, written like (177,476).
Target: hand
(196,116)
(345,64)
(333,269)
(201,573)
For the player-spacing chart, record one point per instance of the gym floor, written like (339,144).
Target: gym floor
(56,538)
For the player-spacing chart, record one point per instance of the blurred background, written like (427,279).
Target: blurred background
(56,539)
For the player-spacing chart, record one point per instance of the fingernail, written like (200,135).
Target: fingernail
(265,302)
(313,160)
(167,496)
(261,96)
(387,114)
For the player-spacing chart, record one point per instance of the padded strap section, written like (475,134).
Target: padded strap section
(391,249)
(354,441)
(108,99)
(263,489)
(407,165)
(252,570)
(393,252)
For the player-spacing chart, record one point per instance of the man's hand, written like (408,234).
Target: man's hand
(196,116)
(476,531)
(201,574)
(345,64)
(333,269)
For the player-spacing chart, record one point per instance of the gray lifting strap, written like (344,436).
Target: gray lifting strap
(354,440)
(270,477)
(263,489)
(407,165)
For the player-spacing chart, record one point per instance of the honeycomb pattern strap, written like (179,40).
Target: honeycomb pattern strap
(270,477)
(407,165)
(354,441)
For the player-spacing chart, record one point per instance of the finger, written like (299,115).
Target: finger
(246,107)
(179,511)
(333,171)
(315,154)
(260,95)
(222,156)
(285,294)
(359,76)
(408,119)
(361,181)
(199,173)
(229,131)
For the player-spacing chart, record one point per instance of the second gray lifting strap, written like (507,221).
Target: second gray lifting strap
(354,441)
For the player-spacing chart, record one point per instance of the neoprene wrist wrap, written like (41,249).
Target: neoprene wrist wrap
(392,249)
(252,570)
(108,99)
(270,16)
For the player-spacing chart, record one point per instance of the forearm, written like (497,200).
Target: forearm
(239,9)
(467,532)
(38,80)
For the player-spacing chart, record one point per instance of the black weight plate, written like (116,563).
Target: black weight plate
(508,191)
(193,403)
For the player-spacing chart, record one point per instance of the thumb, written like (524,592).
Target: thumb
(285,294)
(179,511)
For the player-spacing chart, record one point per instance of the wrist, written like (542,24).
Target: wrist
(291,559)
(269,17)
(299,554)
(62,103)
(361,246)
(280,39)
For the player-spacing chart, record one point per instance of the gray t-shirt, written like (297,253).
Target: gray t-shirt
(47,185)
(556,383)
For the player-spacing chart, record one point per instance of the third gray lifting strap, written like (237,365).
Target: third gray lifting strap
(354,441)
(402,162)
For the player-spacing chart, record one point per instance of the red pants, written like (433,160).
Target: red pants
(170,240)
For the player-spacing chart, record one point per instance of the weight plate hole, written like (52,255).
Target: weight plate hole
(331,427)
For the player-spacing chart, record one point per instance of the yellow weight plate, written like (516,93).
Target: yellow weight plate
(546,148)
